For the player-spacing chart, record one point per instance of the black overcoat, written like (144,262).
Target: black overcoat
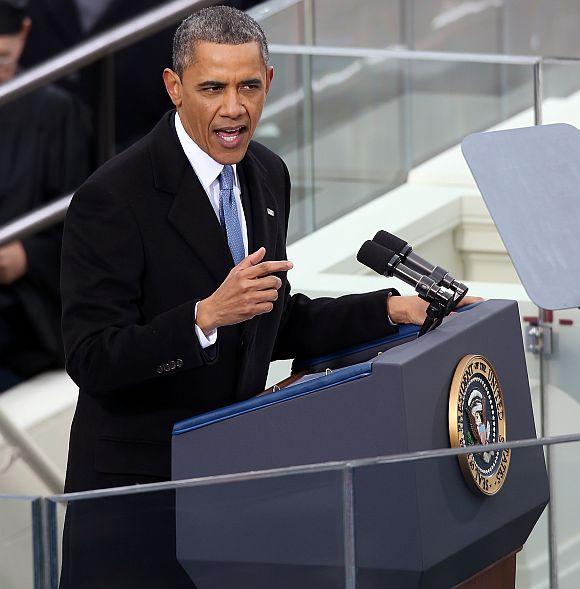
(141,245)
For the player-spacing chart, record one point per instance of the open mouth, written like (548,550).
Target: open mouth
(230,136)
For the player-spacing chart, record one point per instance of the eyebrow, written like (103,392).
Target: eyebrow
(215,83)
(208,83)
(253,81)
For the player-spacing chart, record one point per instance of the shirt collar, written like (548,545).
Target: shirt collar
(205,167)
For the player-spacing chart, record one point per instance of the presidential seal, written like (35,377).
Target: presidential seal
(477,417)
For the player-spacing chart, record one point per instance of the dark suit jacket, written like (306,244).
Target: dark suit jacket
(141,245)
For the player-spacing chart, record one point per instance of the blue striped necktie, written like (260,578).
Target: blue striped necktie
(229,214)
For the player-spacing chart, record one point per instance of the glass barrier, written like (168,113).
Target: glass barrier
(376,23)
(19,542)
(565,470)
(273,532)
(561,399)
(352,128)
(283,21)
(533,27)
(375,522)
(561,91)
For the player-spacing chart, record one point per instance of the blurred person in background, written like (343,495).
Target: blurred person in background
(43,155)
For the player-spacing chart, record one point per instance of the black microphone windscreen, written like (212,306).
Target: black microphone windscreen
(389,240)
(375,256)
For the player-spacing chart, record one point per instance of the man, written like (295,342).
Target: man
(175,294)
(43,155)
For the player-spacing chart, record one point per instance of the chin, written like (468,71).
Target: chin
(230,157)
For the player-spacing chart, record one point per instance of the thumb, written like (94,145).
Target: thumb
(252,259)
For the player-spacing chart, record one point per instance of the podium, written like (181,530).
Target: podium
(410,524)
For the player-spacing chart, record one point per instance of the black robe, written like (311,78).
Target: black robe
(44,154)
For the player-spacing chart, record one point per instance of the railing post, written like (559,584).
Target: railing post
(349,528)
(308,122)
(543,370)
(407,18)
(44,544)
(538,91)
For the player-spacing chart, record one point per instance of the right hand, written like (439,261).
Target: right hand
(248,290)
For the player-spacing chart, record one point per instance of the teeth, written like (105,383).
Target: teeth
(234,130)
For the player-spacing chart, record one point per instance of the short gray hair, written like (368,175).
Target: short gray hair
(216,24)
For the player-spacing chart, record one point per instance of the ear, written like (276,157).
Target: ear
(269,77)
(173,86)
(23,35)
(26,25)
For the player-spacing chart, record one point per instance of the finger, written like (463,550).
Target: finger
(266,296)
(261,296)
(266,283)
(252,259)
(469,301)
(264,308)
(265,268)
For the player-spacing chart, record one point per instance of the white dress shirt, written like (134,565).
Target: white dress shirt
(208,170)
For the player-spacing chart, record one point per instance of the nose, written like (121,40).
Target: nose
(232,105)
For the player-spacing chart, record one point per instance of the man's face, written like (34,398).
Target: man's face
(11,47)
(220,97)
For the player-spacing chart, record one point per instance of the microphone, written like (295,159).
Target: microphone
(385,261)
(417,263)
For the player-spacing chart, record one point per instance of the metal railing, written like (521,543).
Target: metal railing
(106,44)
(44,509)
(103,45)
(35,221)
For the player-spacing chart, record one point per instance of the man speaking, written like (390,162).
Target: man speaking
(174,285)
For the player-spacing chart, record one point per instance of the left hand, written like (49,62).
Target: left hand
(412,309)
(13,262)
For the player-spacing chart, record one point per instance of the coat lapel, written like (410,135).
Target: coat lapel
(254,178)
(194,218)
(191,213)
(264,226)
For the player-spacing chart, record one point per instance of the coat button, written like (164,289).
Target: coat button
(179,363)
(172,365)
(160,369)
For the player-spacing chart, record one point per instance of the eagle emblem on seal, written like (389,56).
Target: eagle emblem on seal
(477,417)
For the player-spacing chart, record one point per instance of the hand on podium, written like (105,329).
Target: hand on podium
(412,309)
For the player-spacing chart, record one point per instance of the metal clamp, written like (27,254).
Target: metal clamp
(538,339)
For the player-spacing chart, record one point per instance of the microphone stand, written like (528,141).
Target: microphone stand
(436,312)
(435,315)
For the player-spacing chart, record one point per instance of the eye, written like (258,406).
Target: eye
(250,86)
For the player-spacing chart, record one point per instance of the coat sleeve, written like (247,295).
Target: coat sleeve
(311,327)
(108,345)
